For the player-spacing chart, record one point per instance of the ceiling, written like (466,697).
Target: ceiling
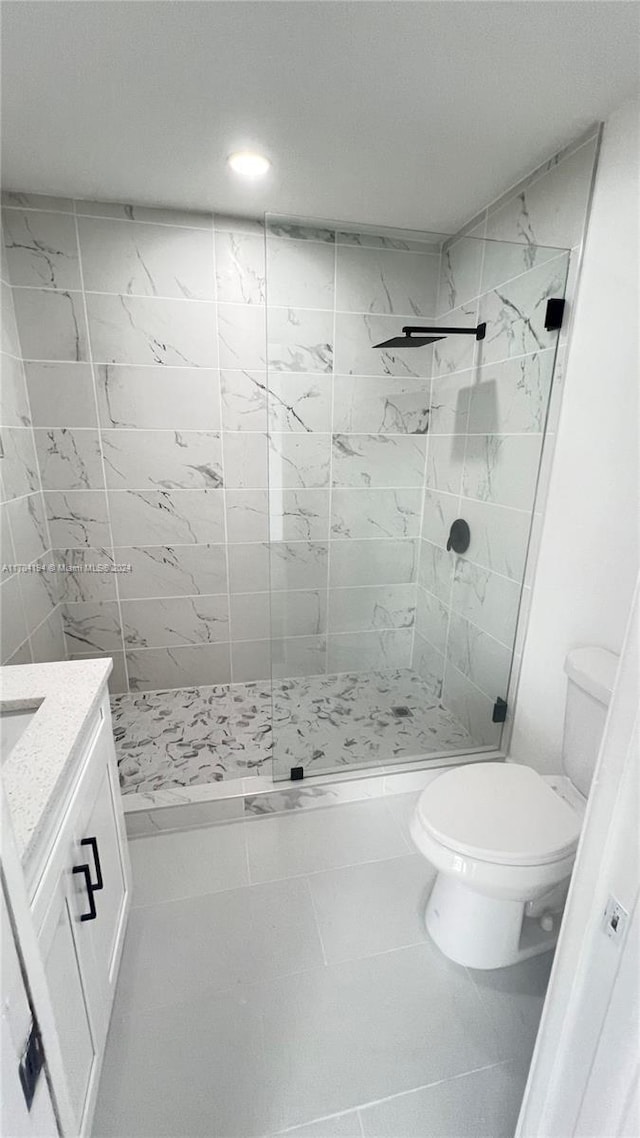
(403,113)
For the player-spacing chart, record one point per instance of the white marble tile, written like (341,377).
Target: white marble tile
(248,567)
(78,518)
(127,212)
(490,601)
(378,460)
(460,270)
(47,640)
(22,655)
(245,460)
(14,200)
(386,562)
(355,353)
(13,625)
(504,260)
(302,612)
(161,517)
(152,669)
(240,268)
(250,616)
(170,571)
(251,660)
(51,324)
(440,511)
(299,461)
(41,249)
(300,339)
(456,353)
(61,394)
(92,626)
(298,565)
(158,397)
(514,312)
(478,656)
(14,404)
(445,460)
(471,707)
(429,665)
(299,515)
(298,229)
(512,396)
(146,260)
(69,459)
(386,280)
(432,620)
(150,330)
(228,222)
(299,403)
(175,620)
(9,341)
(375,513)
(29,529)
(499,537)
(162,460)
(401,239)
(300,656)
(247,514)
(502,469)
(381,405)
(244,400)
(450,397)
(436,570)
(369,651)
(241,336)
(39,593)
(78,577)
(376,607)
(18,463)
(300,274)
(345,1125)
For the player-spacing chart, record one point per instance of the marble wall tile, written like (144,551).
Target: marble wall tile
(158,397)
(51,324)
(78,518)
(88,626)
(369,651)
(298,565)
(432,620)
(168,460)
(512,396)
(18,463)
(386,280)
(175,620)
(247,515)
(301,656)
(504,260)
(439,511)
(241,336)
(366,609)
(299,403)
(450,397)
(47,640)
(12,200)
(145,330)
(245,460)
(250,616)
(132,212)
(376,513)
(300,339)
(471,707)
(165,517)
(240,267)
(146,260)
(355,353)
(172,570)
(487,599)
(61,394)
(498,537)
(373,562)
(300,274)
(69,459)
(299,461)
(391,239)
(429,664)
(244,400)
(13,625)
(117,677)
(22,655)
(14,404)
(378,460)
(250,660)
(29,529)
(298,515)
(381,405)
(299,613)
(9,341)
(153,669)
(39,591)
(79,580)
(228,222)
(436,570)
(455,353)
(293,230)
(460,270)
(41,249)
(479,657)
(248,567)
(502,469)
(7,551)
(515,312)
(445,461)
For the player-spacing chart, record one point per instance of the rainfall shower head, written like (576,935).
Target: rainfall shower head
(414,337)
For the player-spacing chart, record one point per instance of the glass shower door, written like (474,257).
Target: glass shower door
(387,646)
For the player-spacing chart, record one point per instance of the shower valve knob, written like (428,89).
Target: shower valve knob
(459,536)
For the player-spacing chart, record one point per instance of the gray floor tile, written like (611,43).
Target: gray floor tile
(188,863)
(364,909)
(484,1104)
(180,950)
(355,1032)
(339,1126)
(402,807)
(513,998)
(285,845)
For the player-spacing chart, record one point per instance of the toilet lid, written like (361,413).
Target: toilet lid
(499,812)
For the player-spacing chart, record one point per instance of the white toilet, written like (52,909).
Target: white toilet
(503,838)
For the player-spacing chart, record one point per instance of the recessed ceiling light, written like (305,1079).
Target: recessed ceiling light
(248,163)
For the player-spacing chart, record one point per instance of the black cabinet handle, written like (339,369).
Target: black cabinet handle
(93,842)
(92,914)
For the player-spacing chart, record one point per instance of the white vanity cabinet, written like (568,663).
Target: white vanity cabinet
(79,909)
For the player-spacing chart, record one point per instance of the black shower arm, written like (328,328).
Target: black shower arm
(479,332)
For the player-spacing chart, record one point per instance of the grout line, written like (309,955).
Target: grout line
(316,919)
(330,537)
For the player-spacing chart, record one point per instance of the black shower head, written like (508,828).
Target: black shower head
(417,337)
(408,341)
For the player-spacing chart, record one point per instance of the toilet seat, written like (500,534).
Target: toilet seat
(501,813)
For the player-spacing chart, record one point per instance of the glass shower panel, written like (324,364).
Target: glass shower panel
(387,646)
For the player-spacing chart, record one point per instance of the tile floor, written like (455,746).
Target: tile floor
(323,723)
(277,976)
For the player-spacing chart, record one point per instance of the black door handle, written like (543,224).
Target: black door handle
(93,842)
(92,914)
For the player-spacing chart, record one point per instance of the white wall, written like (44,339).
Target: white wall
(589,547)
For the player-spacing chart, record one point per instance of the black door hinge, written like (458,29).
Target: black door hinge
(499,710)
(297,773)
(31,1063)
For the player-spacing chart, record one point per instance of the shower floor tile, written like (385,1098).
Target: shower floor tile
(200,735)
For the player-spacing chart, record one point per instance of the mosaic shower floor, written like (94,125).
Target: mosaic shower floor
(324,723)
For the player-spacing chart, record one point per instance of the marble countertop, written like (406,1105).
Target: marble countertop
(36,771)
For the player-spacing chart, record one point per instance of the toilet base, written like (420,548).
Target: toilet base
(484,932)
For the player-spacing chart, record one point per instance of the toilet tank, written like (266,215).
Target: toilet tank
(591,673)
